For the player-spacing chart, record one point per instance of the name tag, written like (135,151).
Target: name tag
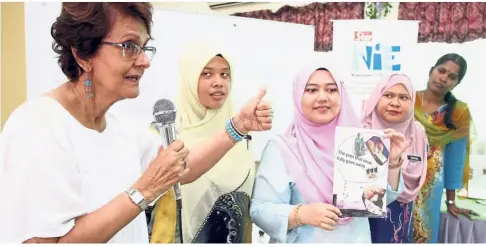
(414,158)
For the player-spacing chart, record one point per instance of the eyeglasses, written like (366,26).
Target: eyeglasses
(132,51)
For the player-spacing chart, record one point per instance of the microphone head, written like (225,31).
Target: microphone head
(164,112)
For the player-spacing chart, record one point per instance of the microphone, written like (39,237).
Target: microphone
(165,114)
(155,126)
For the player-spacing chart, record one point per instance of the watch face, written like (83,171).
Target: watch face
(137,197)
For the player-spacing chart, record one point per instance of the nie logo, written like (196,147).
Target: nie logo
(376,57)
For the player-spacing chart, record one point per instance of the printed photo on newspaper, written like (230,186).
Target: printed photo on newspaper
(360,172)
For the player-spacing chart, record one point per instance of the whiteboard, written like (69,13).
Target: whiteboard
(264,53)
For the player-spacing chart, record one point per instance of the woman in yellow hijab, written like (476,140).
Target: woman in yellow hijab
(216,192)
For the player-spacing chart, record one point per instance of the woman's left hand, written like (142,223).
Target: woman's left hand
(398,144)
(456,211)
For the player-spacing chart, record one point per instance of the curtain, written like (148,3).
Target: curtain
(446,21)
(317,14)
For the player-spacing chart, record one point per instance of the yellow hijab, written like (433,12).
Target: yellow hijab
(197,123)
(165,214)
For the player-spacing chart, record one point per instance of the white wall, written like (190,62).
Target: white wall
(41,62)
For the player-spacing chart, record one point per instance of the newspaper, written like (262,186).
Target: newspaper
(360,172)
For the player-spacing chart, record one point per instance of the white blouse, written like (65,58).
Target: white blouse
(53,170)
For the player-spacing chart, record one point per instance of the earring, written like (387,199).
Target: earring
(88,89)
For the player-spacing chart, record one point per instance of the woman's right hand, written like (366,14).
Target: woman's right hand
(256,115)
(320,215)
(164,171)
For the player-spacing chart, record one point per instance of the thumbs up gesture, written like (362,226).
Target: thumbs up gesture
(256,115)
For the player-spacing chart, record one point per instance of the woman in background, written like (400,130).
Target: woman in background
(446,121)
(293,194)
(391,106)
(216,192)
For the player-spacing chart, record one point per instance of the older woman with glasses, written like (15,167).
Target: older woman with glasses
(79,174)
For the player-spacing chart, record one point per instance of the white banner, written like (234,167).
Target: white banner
(368,49)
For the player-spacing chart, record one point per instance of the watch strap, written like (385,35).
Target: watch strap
(137,198)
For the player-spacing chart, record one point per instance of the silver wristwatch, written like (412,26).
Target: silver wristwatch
(137,198)
(449,202)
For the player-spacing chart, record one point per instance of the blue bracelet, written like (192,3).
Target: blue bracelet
(234,127)
(232,132)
